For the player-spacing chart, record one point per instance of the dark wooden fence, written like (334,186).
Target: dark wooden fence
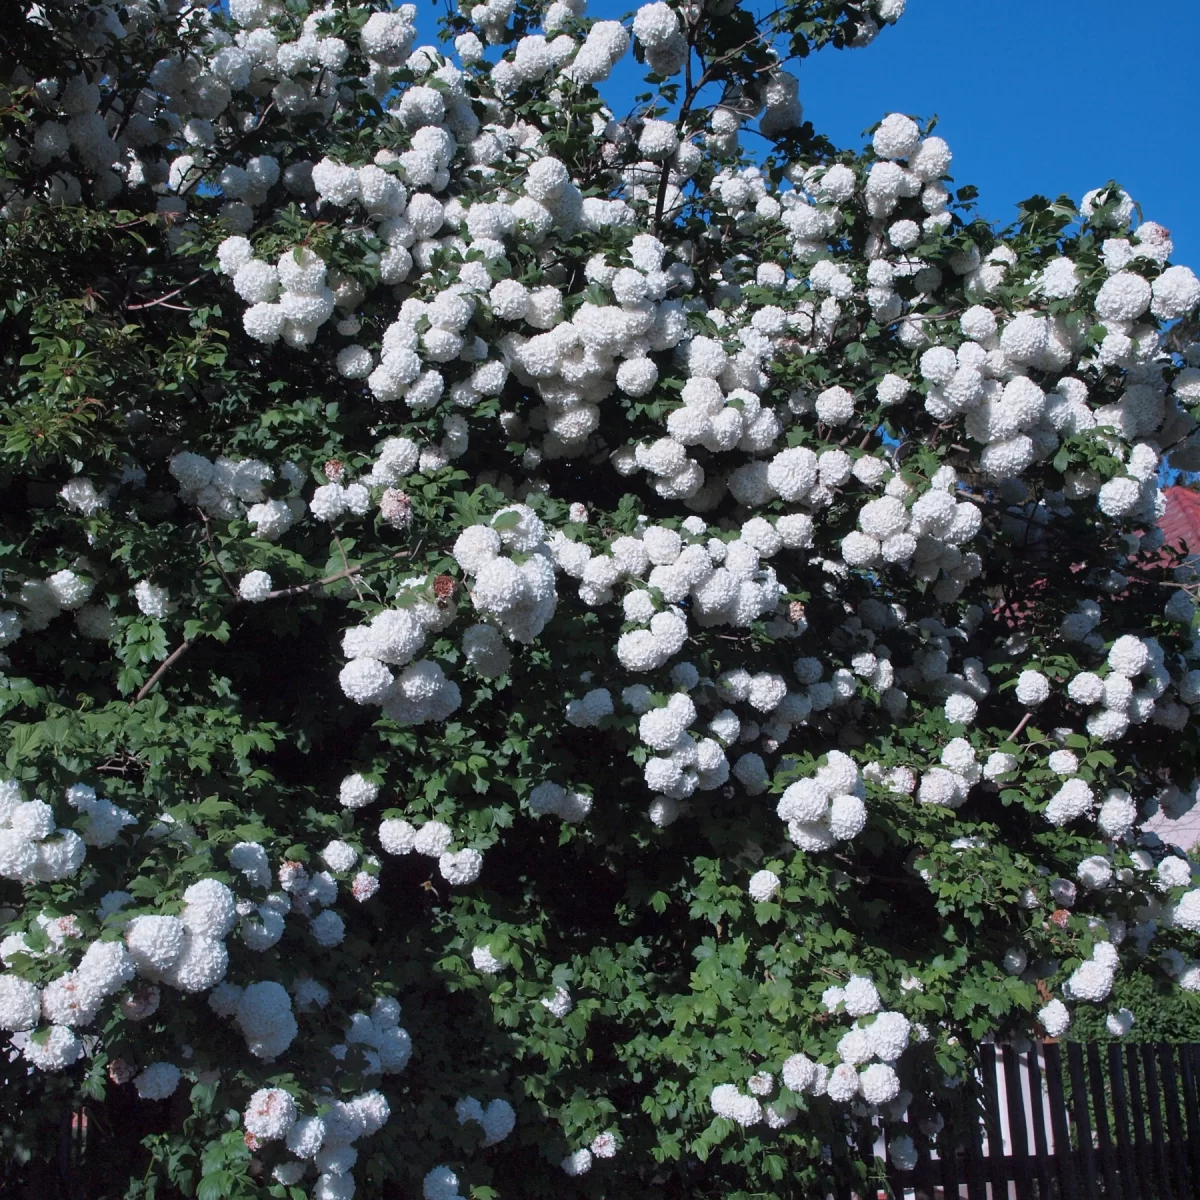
(1072,1122)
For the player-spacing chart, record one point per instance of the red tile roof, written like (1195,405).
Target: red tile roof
(1181,521)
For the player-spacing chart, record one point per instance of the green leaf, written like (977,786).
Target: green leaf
(216,1186)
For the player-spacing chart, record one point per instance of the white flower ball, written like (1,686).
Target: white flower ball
(842,1085)
(1095,871)
(896,137)
(835,406)
(860,996)
(879,1083)
(20,1003)
(270,1114)
(158,1081)
(1176,292)
(1033,688)
(357,792)
(1117,816)
(799,1074)
(484,961)
(1073,800)
(1119,1023)
(255,586)
(208,909)
(1055,1018)
(1129,656)
(763,886)
(328,928)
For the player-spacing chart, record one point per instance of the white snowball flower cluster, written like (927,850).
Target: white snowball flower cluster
(255,586)
(1093,979)
(32,845)
(418,693)
(262,1011)
(496,1118)
(441,1184)
(269,1115)
(1186,912)
(158,1081)
(1055,1018)
(569,806)
(105,820)
(75,998)
(884,1037)
(43,600)
(386,1045)
(763,886)
(559,1003)
(1119,1024)
(657,28)
(226,488)
(356,791)
(588,711)
(188,952)
(328,1141)
(80,493)
(432,839)
(20,1003)
(1073,800)
(519,597)
(828,807)
(484,961)
(728,1102)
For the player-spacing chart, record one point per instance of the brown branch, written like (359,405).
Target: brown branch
(301,588)
(164,667)
(163,299)
(278,594)
(1024,721)
(346,562)
(693,90)
(212,549)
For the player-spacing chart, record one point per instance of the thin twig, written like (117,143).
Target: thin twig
(163,304)
(278,594)
(168,296)
(212,549)
(1024,721)
(301,588)
(164,667)
(346,562)
(693,90)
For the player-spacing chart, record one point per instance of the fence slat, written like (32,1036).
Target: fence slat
(1107,1156)
(1015,1103)
(1178,1157)
(1038,1113)
(948,1158)
(991,1110)
(976,1176)
(1067,1177)
(1083,1124)
(1121,1121)
(1188,1064)
(841,1188)
(923,1182)
(897,1179)
(1145,1158)
(1108,1160)
(1154,1111)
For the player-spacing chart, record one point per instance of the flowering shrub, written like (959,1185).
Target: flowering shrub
(545,655)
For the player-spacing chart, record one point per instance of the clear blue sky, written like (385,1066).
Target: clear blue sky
(1049,96)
